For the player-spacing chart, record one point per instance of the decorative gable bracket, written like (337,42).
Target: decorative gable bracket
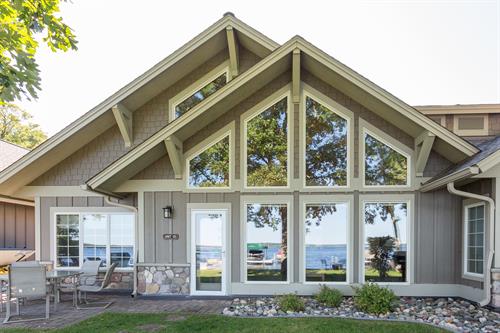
(174,150)
(423,146)
(123,118)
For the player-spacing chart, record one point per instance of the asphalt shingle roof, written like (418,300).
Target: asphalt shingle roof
(9,153)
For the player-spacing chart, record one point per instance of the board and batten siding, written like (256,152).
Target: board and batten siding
(48,202)
(17,226)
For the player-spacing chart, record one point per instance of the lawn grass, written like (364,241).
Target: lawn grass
(129,322)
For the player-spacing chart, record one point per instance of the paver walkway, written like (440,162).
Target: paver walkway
(67,315)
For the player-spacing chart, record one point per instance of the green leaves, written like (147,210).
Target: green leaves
(372,298)
(21,23)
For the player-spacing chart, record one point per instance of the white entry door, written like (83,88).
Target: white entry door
(208,251)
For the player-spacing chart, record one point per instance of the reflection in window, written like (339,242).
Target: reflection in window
(266,242)
(267,147)
(200,95)
(384,166)
(326,146)
(475,239)
(209,250)
(121,237)
(67,241)
(95,237)
(211,167)
(385,243)
(326,242)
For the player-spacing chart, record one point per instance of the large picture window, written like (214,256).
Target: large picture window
(266,245)
(326,149)
(474,240)
(267,147)
(325,242)
(108,237)
(385,243)
(210,168)
(384,165)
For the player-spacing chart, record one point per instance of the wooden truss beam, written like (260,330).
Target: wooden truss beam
(423,145)
(296,76)
(232,44)
(174,150)
(124,119)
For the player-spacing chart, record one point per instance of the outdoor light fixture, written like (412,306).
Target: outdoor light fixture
(167,212)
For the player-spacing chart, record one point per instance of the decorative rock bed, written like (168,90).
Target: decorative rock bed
(449,313)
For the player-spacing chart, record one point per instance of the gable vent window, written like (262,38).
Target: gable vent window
(472,125)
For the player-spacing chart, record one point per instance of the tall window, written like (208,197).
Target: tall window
(325,242)
(267,147)
(210,168)
(474,239)
(325,146)
(384,166)
(68,240)
(103,236)
(200,95)
(385,250)
(266,242)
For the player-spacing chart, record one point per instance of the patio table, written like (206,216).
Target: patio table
(54,278)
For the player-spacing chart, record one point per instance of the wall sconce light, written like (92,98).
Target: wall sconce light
(168,212)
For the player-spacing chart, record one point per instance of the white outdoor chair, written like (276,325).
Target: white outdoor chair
(90,272)
(99,286)
(26,280)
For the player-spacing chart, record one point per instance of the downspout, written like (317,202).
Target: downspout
(107,199)
(491,203)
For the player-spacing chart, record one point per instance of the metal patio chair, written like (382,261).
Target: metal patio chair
(89,276)
(26,280)
(99,286)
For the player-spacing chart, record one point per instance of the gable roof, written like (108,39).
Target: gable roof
(100,118)
(319,64)
(10,153)
(488,157)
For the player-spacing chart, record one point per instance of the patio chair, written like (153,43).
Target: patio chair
(90,272)
(99,286)
(26,280)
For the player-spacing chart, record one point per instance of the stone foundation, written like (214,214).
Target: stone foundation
(495,287)
(119,280)
(155,279)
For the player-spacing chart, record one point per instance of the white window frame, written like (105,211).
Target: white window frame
(388,198)
(339,110)
(471,132)
(252,113)
(266,199)
(228,130)
(198,85)
(366,128)
(80,211)
(326,200)
(465,273)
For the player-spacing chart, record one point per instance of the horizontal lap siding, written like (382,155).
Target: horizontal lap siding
(17,226)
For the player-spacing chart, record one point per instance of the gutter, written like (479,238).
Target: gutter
(107,200)
(461,174)
(491,204)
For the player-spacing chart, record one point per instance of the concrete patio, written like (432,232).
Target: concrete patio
(122,302)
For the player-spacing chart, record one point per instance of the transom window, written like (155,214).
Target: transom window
(101,236)
(266,242)
(325,242)
(384,165)
(267,147)
(211,167)
(326,148)
(385,243)
(474,239)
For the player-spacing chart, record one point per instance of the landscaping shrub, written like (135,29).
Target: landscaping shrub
(291,302)
(372,298)
(329,296)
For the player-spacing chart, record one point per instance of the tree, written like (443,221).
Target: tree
(16,127)
(211,167)
(381,248)
(383,165)
(21,24)
(385,212)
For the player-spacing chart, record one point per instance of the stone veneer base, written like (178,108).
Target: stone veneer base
(163,280)
(495,287)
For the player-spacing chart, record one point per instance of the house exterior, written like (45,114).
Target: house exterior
(237,166)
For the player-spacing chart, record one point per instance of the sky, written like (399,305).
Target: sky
(424,52)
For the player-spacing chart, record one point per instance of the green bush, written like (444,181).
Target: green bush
(372,298)
(329,296)
(291,302)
